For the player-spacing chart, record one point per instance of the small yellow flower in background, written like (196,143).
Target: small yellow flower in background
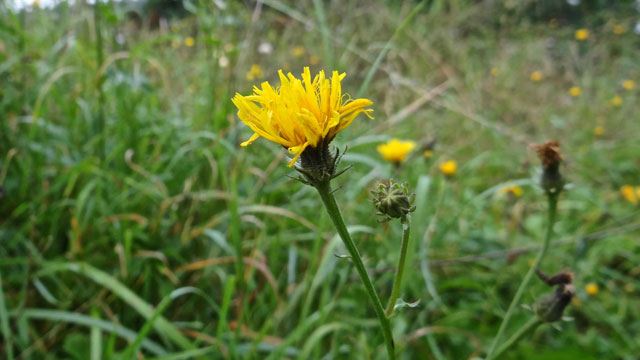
(494,71)
(582,34)
(298,51)
(189,41)
(592,289)
(300,112)
(255,72)
(629,194)
(618,29)
(616,101)
(428,154)
(598,130)
(628,84)
(175,28)
(513,189)
(395,150)
(575,301)
(575,91)
(314,60)
(448,167)
(536,76)
(36,4)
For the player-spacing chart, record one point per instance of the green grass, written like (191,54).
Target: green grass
(132,221)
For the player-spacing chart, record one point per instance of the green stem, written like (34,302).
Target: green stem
(531,325)
(334,213)
(397,282)
(553,203)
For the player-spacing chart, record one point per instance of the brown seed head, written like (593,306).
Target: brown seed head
(549,154)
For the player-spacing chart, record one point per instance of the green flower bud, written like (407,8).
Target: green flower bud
(393,200)
(550,307)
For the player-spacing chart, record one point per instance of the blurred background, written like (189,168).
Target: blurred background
(133,225)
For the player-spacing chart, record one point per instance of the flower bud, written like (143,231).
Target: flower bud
(393,200)
(550,307)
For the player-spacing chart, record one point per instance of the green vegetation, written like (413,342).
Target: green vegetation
(132,223)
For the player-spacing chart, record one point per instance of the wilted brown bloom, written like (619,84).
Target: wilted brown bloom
(549,154)
(550,307)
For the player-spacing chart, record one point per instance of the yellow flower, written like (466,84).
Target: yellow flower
(629,194)
(536,76)
(396,151)
(618,29)
(300,113)
(494,71)
(298,51)
(189,41)
(582,34)
(428,154)
(575,91)
(36,3)
(449,167)
(513,189)
(616,101)
(628,84)
(255,72)
(598,130)
(592,288)
(314,60)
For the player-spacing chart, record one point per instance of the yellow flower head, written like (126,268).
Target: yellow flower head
(582,34)
(255,72)
(629,194)
(428,154)
(494,71)
(300,113)
(449,167)
(598,130)
(536,76)
(616,101)
(513,189)
(298,51)
(575,91)
(314,60)
(628,84)
(189,41)
(396,151)
(592,288)
(618,29)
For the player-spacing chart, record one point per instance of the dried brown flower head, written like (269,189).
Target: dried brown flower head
(549,154)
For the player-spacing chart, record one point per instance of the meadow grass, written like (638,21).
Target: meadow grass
(131,221)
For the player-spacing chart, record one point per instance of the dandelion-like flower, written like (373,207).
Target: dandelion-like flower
(395,150)
(494,71)
(616,101)
(619,29)
(582,34)
(628,85)
(575,91)
(255,72)
(189,41)
(449,167)
(536,76)
(592,289)
(629,194)
(301,114)
(515,190)
(598,130)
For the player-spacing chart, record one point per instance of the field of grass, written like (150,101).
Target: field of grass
(133,225)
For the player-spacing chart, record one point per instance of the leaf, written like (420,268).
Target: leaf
(400,304)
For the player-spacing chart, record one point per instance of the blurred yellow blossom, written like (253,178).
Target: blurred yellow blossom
(575,301)
(428,154)
(629,194)
(592,288)
(36,3)
(616,101)
(314,60)
(575,91)
(536,76)
(494,71)
(628,84)
(598,130)
(300,113)
(189,41)
(255,72)
(448,167)
(582,34)
(298,51)
(618,29)
(513,189)
(395,150)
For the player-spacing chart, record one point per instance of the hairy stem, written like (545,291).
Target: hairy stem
(334,212)
(397,282)
(553,203)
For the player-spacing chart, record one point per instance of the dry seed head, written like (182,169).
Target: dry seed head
(549,154)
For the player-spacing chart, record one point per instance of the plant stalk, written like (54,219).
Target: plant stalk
(553,204)
(397,282)
(334,213)
(531,325)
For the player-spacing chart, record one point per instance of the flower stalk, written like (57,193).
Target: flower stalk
(397,282)
(329,201)
(528,327)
